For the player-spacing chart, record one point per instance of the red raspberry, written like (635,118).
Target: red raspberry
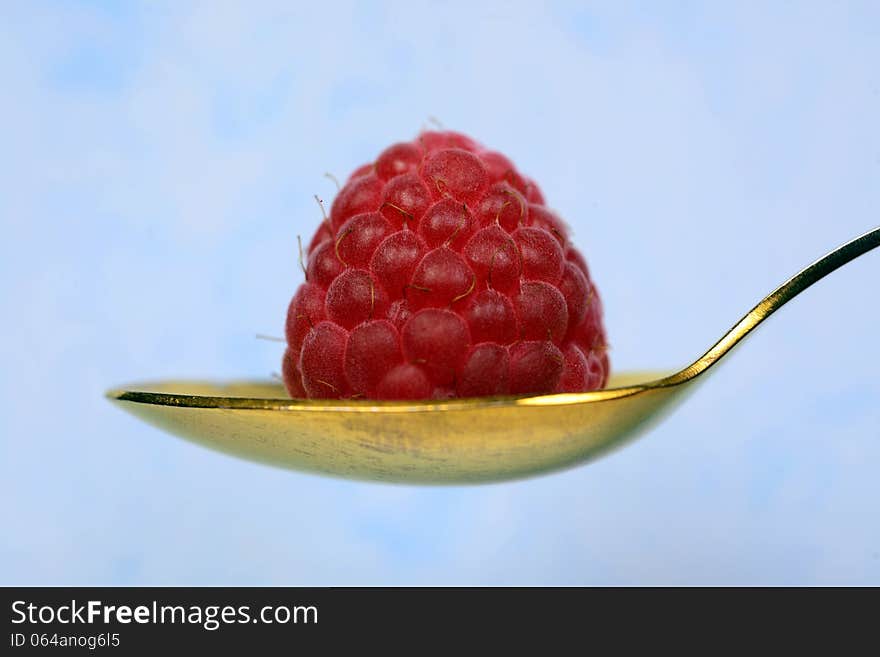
(441,273)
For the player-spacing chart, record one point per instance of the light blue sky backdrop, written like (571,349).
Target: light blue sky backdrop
(159,159)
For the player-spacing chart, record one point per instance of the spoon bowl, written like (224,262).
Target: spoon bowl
(453,441)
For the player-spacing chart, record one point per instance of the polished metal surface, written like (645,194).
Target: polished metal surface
(453,441)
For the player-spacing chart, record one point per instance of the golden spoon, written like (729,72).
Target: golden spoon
(453,441)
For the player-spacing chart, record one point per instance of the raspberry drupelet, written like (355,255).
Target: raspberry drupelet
(440,273)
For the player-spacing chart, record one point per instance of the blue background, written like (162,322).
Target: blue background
(159,159)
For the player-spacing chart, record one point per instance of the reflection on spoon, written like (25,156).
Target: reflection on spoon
(450,441)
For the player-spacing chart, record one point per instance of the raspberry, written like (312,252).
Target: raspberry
(441,273)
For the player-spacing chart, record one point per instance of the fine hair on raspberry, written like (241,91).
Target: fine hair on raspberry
(439,273)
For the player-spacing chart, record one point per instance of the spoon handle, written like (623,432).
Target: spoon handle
(778,298)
